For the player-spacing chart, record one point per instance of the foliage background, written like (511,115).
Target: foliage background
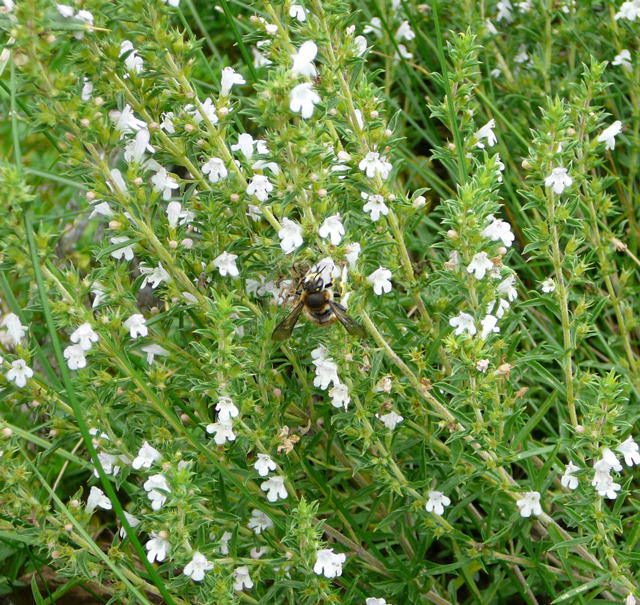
(563,373)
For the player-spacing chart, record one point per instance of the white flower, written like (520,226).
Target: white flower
(101,209)
(98,295)
(19,372)
(403,53)
(326,373)
(611,460)
(147,455)
(630,600)
(558,180)
(15,330)
(125,252)
(489,326)
(506,287)
(83,16)
(608,135)
(482,365)
(197,567)
(374,164)
(256,553)
(246,144)
(568,479)
(623,58)
(65,10)
(629,449)
(296,11)
(223,431)
(529,504)
(108,463)
(497,230)
(74,354)
(153,276)
(486,133)
(326,269)
(332,228)
(155,486)
(260,186)
(230,77)
(390,420)
(137,325)
(504,9)
(628,10)
(224,542)
(352,251)
(215,168)
(605,485)
(373,27)
(303,99)
(97,498)
(259,60)
(480,264)
(303,60)
(259,522)
(167,122)
(419,202)
(254,212)
(375,601)
(375,205)
(133,62)
(360,43)
(157,547)
(174,3)
(242,579)
(87,89)
(85,336)
(380,280)
(290,236)
(274,486)
(522,56)
(152,351)
(463,322)
(125,122)
(164,183)
(264,464)
(328,563)
(177,216)
(207,107)
(265,165)
(117,181)
(340,396)
(226,409)
(503,307)
(226,264)
(404,32)
(548,285)
(133,522)
(436,503)
(135,148)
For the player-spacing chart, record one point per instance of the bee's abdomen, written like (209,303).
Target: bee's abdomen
(323,316)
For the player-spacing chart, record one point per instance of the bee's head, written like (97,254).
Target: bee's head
(314,283)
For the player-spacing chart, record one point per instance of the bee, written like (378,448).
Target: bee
(316,301)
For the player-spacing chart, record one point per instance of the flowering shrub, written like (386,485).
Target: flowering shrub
(462,174)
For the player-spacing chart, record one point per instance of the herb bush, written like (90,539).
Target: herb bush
(466,175)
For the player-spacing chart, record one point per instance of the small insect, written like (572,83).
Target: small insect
(316,300)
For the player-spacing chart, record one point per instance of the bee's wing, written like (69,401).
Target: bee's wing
(285,327)
(350,325)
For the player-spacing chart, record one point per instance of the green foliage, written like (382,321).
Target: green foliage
(451,176)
